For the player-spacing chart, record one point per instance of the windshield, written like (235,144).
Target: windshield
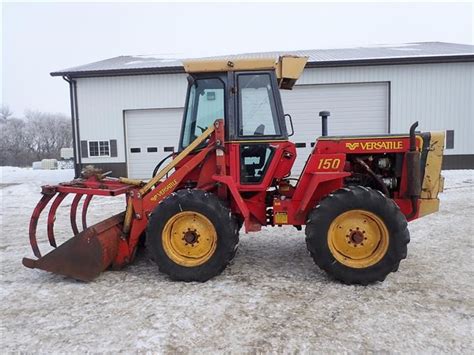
(205,105)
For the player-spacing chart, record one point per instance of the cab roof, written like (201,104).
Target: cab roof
(287,68)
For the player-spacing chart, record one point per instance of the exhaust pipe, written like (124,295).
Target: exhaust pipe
(414,173)
(324,122)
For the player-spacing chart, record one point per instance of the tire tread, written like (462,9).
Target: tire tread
(319,220)
(229,238)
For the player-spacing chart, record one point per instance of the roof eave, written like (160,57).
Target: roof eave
(118,72)
(310,64)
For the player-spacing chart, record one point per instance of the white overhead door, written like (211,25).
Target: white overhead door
(150,135)
(355,109)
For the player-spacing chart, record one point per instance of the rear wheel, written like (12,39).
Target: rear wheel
(357,235)
(192,236)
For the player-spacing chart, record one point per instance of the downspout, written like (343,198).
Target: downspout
(76,110)
(75,143)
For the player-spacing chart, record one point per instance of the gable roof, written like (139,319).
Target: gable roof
(409,53)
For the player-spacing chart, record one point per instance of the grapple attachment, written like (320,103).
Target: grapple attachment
(90,251)
(86,255)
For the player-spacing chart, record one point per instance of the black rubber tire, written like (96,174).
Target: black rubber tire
(343,200)
(210,206)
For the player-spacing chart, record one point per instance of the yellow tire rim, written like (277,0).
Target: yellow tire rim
(189,239)
(358,238)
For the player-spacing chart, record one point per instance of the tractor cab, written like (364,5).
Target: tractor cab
(245,93)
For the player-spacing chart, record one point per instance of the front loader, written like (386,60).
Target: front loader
(233,171)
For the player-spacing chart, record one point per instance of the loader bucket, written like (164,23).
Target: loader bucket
(86,255)
(90,251)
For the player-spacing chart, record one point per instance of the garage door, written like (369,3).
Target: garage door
(150,135)
(355,109)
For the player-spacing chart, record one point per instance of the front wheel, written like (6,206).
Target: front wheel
(357,235)
(192,236)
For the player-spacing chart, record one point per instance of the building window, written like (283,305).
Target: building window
(450,139)
(99,149)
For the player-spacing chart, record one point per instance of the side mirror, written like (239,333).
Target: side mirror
(287,115)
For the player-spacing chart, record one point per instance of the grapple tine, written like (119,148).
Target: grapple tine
(84,211)
(52,217)
(75,203)
(34,221)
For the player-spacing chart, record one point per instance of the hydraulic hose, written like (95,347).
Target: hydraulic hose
(158,166)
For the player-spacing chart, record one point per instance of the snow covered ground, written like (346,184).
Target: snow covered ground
(272,298)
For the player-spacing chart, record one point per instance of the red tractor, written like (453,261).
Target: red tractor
(233,170)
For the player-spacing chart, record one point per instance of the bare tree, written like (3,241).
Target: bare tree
(5,112)
(12,143)
(38,136)
(47,133)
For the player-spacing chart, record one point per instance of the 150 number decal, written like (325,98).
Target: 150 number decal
(329,164)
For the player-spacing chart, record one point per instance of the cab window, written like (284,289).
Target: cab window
(205,105)
(257,110)
(254,161)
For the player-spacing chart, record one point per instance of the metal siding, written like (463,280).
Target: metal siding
(355,109)
(102,102)
(439,96)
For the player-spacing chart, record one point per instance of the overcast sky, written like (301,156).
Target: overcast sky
(44,37)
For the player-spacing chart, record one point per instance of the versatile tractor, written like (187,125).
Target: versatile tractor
(233,170)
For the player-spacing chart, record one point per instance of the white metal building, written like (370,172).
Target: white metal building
(127,111)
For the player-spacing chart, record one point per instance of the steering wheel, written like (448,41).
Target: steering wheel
(201,128)
(260,131)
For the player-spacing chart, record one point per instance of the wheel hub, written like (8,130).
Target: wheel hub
(358,238)
(189,238)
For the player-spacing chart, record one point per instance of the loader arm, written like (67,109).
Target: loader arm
(156,179)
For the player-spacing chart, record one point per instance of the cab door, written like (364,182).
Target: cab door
(259,129)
